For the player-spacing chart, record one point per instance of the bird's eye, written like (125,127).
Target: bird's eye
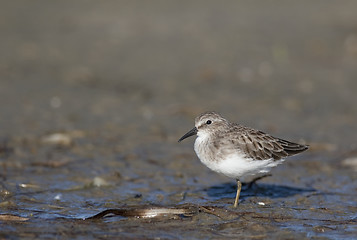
(208,122)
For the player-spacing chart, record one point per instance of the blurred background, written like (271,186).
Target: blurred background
(104,89)
(89,65)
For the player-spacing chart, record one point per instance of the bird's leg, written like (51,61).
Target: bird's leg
(251,183)
(239,187)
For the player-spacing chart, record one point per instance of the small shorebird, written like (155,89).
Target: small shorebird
(237,151)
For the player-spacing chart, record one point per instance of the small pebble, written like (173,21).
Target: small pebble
(58,197)
(99,182)
(58,138)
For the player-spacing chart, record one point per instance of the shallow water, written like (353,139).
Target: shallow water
(95,96)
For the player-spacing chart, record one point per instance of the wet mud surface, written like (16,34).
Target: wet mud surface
(95,95)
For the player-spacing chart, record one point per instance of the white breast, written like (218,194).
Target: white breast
(233,165)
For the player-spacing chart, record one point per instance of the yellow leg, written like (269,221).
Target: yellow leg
(239,187)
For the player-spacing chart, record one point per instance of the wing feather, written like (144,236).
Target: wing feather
(257,144)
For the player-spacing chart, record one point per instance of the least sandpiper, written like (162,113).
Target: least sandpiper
(237,151)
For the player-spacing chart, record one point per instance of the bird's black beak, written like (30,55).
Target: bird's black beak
(192,132)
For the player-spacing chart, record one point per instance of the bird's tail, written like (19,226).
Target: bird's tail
(292,148)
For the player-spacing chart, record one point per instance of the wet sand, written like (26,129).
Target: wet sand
(94,96)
